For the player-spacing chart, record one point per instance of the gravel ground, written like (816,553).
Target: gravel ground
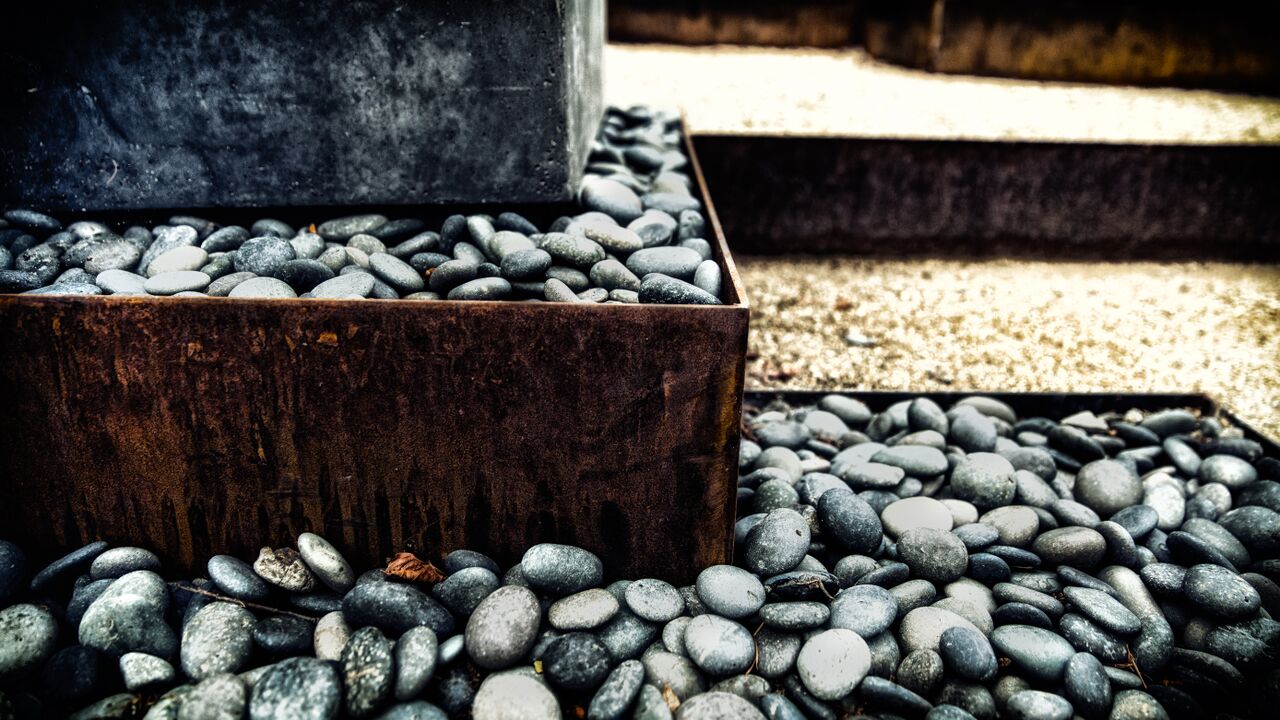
(772,91)
(1008,325)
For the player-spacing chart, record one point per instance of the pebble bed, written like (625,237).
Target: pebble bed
(916,563)
(639,238)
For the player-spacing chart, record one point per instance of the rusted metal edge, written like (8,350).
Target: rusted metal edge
(1034,403)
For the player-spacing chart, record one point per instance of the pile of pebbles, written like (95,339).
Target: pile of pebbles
(911,563)
(640,238)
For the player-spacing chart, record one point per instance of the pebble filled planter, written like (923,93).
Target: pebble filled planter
(398,423)
(915,560)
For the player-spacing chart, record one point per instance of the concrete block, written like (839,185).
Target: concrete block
(206,103)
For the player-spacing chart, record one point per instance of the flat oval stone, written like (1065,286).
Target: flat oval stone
(968,654)
(730,591)
(396,272)
(917,460)
(778,543)
(415,654)
(576,662)
(799,615)
(513,696)
(304,275)
(660,289)
(326,562)
(395,609)
(217,640)
(485,288)
(1228,470)
(584,610)
(850,520)
(1037,705)
(561,569)
(1136,705)
(301,687)
(141,671)
(922,628)
(611,198)
(654,600)
(833,662)
(120,561)
(678,262)
(234,577)
(263,256)
(1078,547)
(626,636)
(1220,592)
(331,636)
(121,282)
(718,646)
(934,555)
(1104,610)
(618,692)
(462,591)
(1086,685)
(503,627)
(1138,520)
(28,635)
(284,635)
(186,257)
(344,228)
(260,287)
(368,672)
(915,512)
(1040,653)
(172,283)
(118,255)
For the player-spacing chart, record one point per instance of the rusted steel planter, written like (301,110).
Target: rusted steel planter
(194,426)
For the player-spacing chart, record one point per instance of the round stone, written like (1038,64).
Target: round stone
(865,609)
(326,562)
(915,512)
(1103,609)
(28,635)
(1107,487)
(1078,547)
(262,287)
(778,543)
(718,646)
(1041,654)
(1037,705)
(576,662)
(561,569)
(730,591)
(395,608)
(514,696)
(922,628)
(1228,470)
(262,256)
(218,639)
(331,636)
(302,687)
(678,262)
(851,520)
(140,671)
(416,654)
(462,591)
(503,627)
(1220,592)
(968,654)
(611,198)
(129,617)
(917,460)
(585,610)
(833,662)
(1136,705)
(717,706)
(120,561)
(1015,525)
(933,555)
(985,479)
(654,600)
(186,257)
(172,283)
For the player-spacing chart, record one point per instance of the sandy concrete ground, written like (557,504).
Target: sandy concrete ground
(771,91)
(1019,326)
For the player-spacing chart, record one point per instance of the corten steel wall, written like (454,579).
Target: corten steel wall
(815,23)
(195,426)
(890,198)
(201,103)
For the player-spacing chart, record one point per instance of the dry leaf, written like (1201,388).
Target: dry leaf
(843,303)
(673,702)
(407,566)
(537,666)
(311,228)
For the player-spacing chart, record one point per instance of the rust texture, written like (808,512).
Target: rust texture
(195,426)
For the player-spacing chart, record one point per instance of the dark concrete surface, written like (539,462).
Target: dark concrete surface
(111,105)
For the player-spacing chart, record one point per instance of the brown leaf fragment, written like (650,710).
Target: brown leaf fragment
(407,566)
(673,702)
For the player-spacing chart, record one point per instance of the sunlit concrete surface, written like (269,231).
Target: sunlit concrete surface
(1019,326)
(770,91)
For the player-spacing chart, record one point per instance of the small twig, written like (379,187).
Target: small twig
(238,601)
(1133,663)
